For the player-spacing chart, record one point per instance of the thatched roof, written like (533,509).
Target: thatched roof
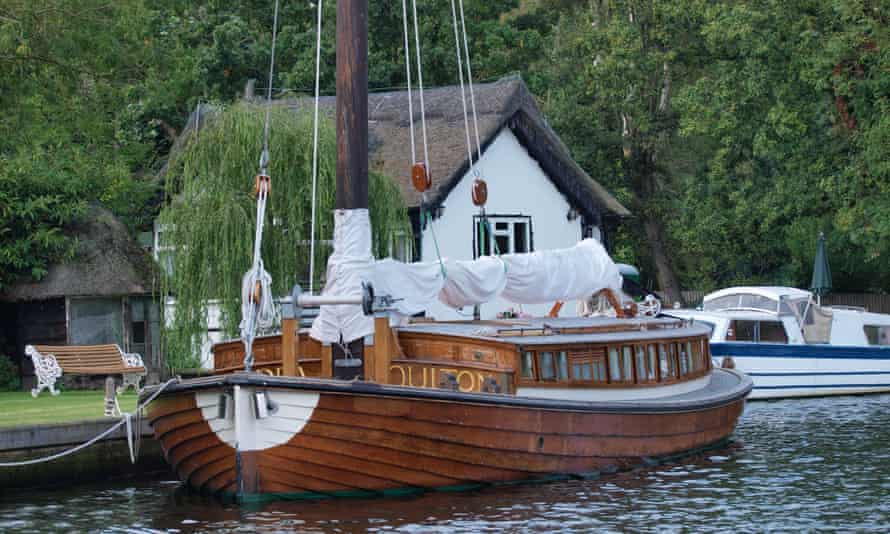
(506,103)
(107,262)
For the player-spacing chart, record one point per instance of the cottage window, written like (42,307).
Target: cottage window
(502,234)
(401,247)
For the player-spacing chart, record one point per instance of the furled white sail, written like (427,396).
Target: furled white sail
(539,277)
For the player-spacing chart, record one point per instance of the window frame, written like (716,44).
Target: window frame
(505,218)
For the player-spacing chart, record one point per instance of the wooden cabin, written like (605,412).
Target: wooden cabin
(542,357)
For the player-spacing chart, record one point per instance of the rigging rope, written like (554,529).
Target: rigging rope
(257,306)
(315,150)
(408,74)
(125,421)
(463,97)
(426,153)
(425,214)
(463,26)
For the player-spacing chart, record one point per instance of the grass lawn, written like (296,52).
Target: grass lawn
(18,408)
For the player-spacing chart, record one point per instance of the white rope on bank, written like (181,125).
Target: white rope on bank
(125,420)
(315,151)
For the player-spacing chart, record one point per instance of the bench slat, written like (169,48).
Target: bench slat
(89,359)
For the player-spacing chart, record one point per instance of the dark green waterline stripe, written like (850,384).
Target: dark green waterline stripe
(262,498)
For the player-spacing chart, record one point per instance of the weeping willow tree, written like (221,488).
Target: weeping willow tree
(210,223)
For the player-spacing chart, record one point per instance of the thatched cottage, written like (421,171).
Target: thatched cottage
(539,197)
(105,294)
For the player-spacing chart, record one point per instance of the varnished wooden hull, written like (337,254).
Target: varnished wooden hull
(330,438)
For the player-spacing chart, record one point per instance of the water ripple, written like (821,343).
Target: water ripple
(795,465)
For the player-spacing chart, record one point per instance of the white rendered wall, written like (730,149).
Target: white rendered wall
(516,186)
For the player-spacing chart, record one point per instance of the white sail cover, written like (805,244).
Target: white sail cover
(539,277)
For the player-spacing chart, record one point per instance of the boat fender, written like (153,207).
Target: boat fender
(727,363)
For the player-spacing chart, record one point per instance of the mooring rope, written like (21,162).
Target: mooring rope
(125,421)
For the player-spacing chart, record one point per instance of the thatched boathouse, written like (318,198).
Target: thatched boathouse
(106,293)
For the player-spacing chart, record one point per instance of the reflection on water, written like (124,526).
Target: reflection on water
(793,465)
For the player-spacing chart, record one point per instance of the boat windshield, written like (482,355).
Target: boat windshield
(746,301)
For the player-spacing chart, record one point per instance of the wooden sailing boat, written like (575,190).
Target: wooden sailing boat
(355,407)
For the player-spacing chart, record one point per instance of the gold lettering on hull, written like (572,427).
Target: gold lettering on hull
(430,377)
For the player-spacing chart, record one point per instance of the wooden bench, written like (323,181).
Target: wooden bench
(50,361)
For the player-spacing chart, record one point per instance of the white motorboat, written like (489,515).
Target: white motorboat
(793,347)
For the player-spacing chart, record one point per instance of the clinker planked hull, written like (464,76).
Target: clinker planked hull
(327,438)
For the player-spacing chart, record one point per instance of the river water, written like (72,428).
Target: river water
(793,465)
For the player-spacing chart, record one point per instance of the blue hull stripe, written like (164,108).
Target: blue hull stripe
(839,373)
(839,386)
(775,350)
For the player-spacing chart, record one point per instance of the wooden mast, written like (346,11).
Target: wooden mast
(352,148)
(352,104)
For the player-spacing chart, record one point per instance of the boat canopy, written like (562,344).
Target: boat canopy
(572,273)
(770,299)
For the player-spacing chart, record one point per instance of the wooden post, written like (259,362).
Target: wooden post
(352,104)
(289,347)
(327,361)
(383,349)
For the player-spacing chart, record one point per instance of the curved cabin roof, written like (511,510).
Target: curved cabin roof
(107,262)
(770,292)
(562,330)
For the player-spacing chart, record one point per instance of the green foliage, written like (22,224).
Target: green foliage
(211,218)
(65,66)
(9,375)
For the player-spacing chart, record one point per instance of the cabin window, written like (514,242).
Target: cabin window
(621,364)
(653,358)
(528,365)
(742,331)
(545,366)
(562,365)
(681,357)
(581,371)
(665,362)
(757,331)
(614,365)
(771,332)
(502,235)
(641,364)
(877,334)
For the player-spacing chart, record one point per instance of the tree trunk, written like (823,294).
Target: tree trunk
(664,267)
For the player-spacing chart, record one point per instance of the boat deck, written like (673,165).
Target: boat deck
(724,386)
(569,330)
